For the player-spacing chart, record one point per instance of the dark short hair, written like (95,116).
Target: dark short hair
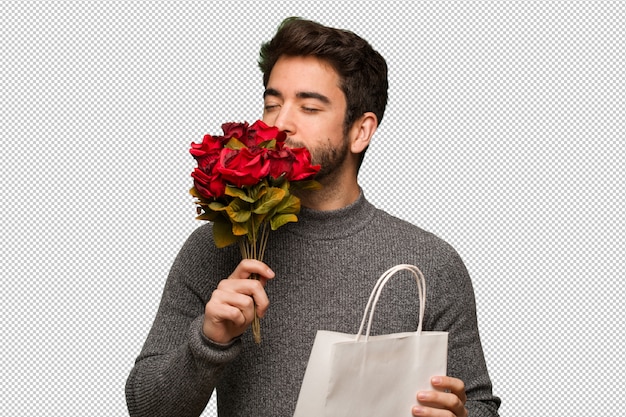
(362,70)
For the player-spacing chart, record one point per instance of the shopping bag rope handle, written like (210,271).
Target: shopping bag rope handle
(375,295)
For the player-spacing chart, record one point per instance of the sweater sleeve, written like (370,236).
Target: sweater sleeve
(178,367)
(455,312)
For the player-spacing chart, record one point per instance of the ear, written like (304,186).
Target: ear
(362,131)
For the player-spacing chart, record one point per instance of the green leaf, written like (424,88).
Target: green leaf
(258,190)
(239,193)
(289,204)
(268,144)
(234,143)
(282,219)
(238,211)
(216,206)
(223,235)
(270,199)
(240,229)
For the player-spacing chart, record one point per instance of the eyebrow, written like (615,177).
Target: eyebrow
(302,95)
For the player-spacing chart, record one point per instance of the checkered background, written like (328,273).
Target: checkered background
(502,135)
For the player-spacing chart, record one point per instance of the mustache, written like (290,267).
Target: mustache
(294,143)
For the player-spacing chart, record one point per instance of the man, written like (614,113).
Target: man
(327,89)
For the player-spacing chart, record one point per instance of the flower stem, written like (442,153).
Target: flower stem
(249,250)
(256,327)
(264,235)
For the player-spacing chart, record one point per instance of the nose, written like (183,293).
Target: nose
(284,120)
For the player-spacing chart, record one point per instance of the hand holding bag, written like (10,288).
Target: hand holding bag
(352,375)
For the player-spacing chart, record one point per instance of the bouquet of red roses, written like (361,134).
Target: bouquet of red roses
(243,184)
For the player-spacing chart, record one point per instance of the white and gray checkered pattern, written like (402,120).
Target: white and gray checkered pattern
(502,135)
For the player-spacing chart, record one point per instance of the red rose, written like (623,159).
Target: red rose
(208,150)
(208,181)
(302,168)
(243,167)
(281,162)
(235,130)
(263,132)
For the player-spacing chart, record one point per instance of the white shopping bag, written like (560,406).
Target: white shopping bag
(356,375)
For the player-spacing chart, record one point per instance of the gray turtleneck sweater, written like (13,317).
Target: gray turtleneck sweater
(326,265)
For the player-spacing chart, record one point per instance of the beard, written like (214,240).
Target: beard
(331,159)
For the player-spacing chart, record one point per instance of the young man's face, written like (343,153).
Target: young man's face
(304,99)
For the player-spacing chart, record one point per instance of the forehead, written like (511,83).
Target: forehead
(295,74)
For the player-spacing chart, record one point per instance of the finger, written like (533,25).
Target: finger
(423,411)
(247,267)
(229,313)
(231,306)
(450,384)
(448,397)
(430,401)
(252,290)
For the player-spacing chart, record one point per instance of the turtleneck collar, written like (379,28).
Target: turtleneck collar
(333,224)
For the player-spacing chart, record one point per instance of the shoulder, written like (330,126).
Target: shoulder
(405,242)
(200,255)
(199,244)
(409,233)
(201,234)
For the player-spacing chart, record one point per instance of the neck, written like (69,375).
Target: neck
(333,224)
(330,197)
(340,188)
